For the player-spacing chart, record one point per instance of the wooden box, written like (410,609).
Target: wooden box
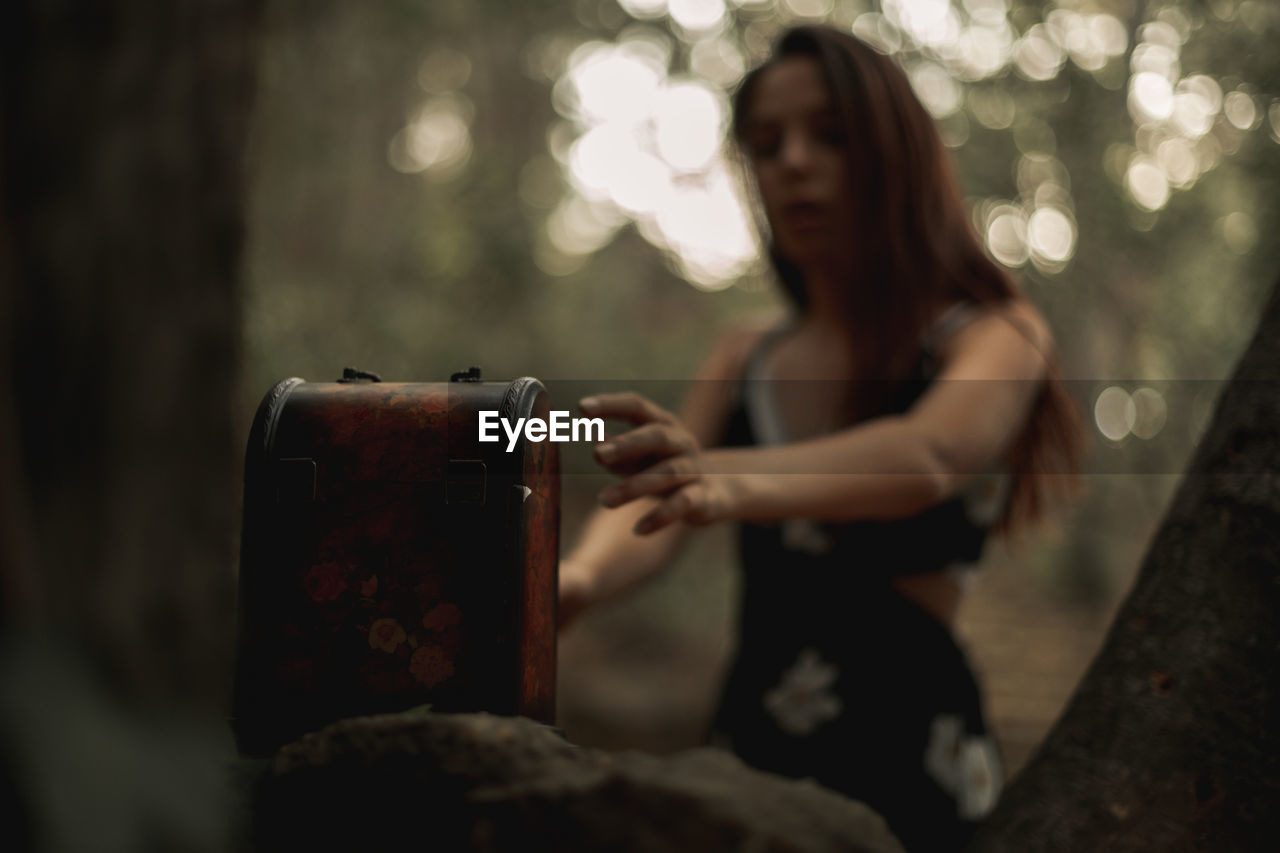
(390,559)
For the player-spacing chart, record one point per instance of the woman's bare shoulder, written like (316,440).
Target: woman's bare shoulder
(1027,318)
(1009,339)
(1022,317)
(1018,317)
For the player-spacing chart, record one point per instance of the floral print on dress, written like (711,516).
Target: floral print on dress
(965,766)
(803,700)
(985,497)
(806,536)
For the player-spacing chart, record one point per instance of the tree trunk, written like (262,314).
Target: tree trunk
(1172,740)
(121,223)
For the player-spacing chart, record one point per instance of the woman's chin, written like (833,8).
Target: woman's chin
(817,246)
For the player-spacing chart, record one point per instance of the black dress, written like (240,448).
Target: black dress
(838,677)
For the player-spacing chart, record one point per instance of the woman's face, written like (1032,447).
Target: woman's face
(795,142)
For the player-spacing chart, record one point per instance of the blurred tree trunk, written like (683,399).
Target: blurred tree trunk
(121,224)
(1172,740)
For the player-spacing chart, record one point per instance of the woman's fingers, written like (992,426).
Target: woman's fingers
(665,513)
(659,438)
(650,442)
(693,504)
(656,480)
(626,406)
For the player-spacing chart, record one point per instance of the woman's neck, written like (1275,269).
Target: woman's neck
(827,292)
(834,303)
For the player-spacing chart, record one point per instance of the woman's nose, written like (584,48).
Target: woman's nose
(797,152)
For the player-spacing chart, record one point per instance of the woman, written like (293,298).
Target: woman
(911,405)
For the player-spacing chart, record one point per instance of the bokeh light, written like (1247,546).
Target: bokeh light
(1174,116)
(1150,97)
(718,60)
(648,149)
(1115,413)
(444,70)
(644,8)
(697,15)
(1150,413)
(992,107)
(1240,110)
(810,8)
(1177,159)
(1239,232)
(646,113)
(1006,235)
(1051,235)
(1038,55)
(876,30)
(1147,183)
(437,139)
(937,89)
(928,22)
(578,227)
(608,84)
(689,125)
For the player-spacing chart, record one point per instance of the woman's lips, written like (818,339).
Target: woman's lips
(804,216)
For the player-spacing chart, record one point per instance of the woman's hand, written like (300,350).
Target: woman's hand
(661,458)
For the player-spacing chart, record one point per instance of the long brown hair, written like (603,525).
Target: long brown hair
(920,252)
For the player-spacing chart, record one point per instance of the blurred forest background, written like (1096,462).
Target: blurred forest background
(542,188)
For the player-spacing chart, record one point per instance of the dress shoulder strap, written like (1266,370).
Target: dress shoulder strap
(757,396)
(949,322)
(765,420)
(754,368)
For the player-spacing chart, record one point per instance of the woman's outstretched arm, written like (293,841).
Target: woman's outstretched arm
(610,557)
(889,467)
